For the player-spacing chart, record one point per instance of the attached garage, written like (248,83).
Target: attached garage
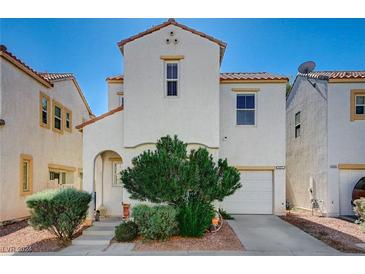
(255,196)
(348,179)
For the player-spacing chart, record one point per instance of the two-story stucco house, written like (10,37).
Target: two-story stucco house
(172,85)
(39,147)
(325,139)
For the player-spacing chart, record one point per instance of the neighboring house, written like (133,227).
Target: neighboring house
(325,139)
(172,85)
(39,147)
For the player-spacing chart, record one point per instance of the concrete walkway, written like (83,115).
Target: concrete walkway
(269,235)
(261,235)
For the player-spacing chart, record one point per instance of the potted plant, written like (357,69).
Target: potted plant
(126,210)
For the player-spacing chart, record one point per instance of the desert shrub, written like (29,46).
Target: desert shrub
(126,231)
(189,181)
(195,218)
(156,222)
(225,215)
(140,214)
(60,211)
(359,210)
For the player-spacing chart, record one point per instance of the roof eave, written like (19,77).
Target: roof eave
(8,57)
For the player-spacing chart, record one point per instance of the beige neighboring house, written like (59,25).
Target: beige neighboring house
(325,139)
(39,146)
(172,84)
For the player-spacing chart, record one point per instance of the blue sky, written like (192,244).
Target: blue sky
(87,47)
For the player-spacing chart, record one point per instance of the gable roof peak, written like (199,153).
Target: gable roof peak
(172,21)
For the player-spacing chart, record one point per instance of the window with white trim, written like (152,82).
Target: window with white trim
(116,169)
(245,109)
(58,176)
(57,117)
(297,124)
(68,119)
(44,110)
(26,174)
(360,104)
(172,78)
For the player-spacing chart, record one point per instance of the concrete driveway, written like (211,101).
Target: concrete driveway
(269,235)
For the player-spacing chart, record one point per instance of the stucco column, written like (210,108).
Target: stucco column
(279,191)
(88,184)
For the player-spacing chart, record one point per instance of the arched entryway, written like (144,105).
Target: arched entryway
(108,193)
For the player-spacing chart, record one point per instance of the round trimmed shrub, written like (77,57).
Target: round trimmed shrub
(60,211)
(157,222)
(126,232)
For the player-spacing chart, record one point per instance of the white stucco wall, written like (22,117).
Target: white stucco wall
(262,144)
(22,134)
(346,139)
(103,138)
(148,114)
(113,98)
(306,156)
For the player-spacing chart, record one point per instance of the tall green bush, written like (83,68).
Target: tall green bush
(194,219)
(59,211)
(188,181)
(157,222)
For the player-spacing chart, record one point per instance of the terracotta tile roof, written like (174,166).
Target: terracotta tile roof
(95,119)
(67,76)
(24,67)
(172,21)
(56,76)
(338,74)
(116,77)
(226,76)
(44,78)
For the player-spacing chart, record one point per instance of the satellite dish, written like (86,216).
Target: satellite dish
(307,67)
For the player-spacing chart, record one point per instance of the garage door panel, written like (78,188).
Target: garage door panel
(255,196)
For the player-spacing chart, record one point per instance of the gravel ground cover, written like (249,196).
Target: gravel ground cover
(339,234)
(21,237)
(224,239)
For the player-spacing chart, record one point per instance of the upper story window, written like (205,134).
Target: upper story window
(246,109)
(297,124)
(357,104)
(120,95)
(172,78)
(57,117)
(68,120)
(44,109)
(360,104)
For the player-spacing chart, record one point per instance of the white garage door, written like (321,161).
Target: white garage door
(348,180)
(255,196)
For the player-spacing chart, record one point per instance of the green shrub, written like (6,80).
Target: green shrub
(140,215)
(190,181)
(157,222)
(194,219)
(126,231)
(360,212)
(60,211)
(225,215)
